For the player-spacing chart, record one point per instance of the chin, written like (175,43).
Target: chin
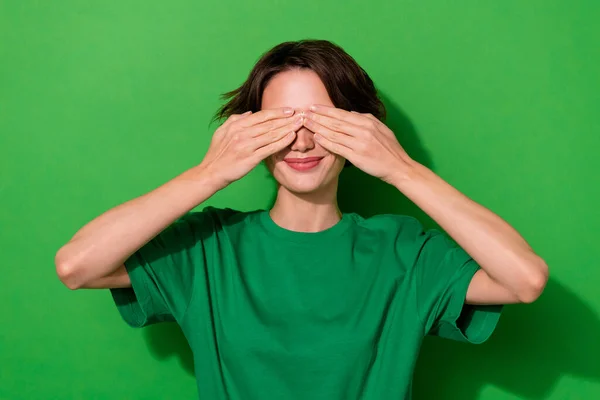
(303,186)
(302,180)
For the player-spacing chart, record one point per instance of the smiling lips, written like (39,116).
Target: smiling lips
(304,163)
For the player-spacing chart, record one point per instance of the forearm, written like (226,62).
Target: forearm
(497,247)
(101,246)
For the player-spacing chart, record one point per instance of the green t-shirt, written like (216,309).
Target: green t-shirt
(275,314)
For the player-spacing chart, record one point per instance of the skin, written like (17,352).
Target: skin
(298,120)
(312,194)
(511,272)
(94,257)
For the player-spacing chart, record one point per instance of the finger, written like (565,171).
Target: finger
(236,117)
(368,115)
(380,125)
(276,146)
(270,126)
(335,124)
(332,147)
(276,134)
(266,115)
(331,135)
(338,113)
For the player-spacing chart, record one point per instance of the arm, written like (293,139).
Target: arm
(510,272)
(94,257)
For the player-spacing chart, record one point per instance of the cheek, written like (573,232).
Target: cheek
(270,163)
(339,164)
(274,161)
(335,164)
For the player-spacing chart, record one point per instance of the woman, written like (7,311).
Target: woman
(302,301)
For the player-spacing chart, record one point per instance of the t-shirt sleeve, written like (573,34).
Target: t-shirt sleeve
(443,272)
(162,272)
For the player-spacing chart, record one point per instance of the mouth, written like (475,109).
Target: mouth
(304,163)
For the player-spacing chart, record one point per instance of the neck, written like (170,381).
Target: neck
(306,212)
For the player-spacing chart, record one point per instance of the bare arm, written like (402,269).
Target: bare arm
(511,272)
(94,257)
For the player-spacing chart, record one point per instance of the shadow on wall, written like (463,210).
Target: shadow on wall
(532,348)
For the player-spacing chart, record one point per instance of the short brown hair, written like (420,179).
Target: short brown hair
(348,85)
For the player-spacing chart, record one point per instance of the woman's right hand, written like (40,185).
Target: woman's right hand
(95,256)
(244,140)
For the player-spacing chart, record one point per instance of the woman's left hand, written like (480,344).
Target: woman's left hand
(361,139)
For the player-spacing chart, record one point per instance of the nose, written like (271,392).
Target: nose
(304,141)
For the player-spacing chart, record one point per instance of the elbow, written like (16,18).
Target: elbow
(534,283)
(66,270)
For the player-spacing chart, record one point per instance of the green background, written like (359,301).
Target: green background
(103,101)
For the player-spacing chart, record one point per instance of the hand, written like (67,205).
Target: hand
(360,138)
(243,141)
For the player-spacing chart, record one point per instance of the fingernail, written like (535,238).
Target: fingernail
(288,111)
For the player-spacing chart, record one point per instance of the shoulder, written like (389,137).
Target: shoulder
(405,234)
(215,217)
(400,226)
(398,240)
